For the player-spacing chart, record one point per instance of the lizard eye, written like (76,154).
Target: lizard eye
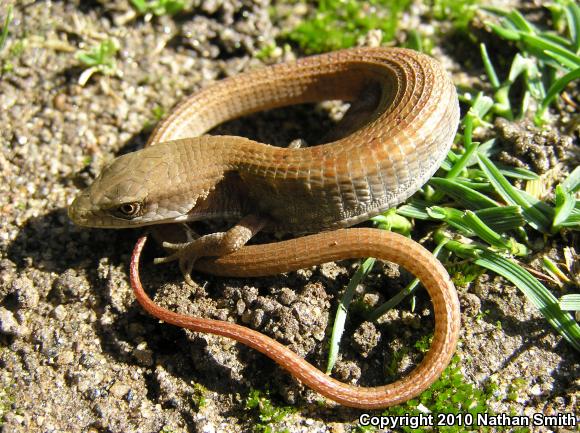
(129,210)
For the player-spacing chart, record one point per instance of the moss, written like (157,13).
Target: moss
(339,24)
(7,401)
(268,414)
(452,395)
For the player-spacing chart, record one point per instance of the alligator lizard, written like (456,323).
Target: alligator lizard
(183,175)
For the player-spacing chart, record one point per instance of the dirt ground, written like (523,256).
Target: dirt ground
(77,354)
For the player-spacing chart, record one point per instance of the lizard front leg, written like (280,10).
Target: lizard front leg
(211,245)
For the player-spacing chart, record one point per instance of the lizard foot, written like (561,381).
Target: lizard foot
(212,245)
(185,253)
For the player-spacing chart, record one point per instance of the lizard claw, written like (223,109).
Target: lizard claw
(178,252)
(186,266)
(184,254)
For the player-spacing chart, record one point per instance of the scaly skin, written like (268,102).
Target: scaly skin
(182,176)
(185,177)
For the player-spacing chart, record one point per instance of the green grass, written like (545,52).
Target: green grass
(5,65)
(546,61)
(458,12)
(158,7)
(339,24)
(5,27)
(100,59)
(479,219)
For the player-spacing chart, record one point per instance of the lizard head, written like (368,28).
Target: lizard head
(136,189)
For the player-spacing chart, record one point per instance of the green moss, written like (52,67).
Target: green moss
(464,273)
(450,394)
(517,388)
(7,401)
(158,112)
(268,51)
(199,395)
(268,414)
(339,24)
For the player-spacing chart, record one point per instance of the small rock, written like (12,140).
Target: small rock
(254,318)
(365,338)
(25,292)
(66,357)
(7,273)
(87,360)
(8,324)
(347,371)
(304,313)
(470,304)
(249,294)
(143,355)
(240,307)
(371,299)
(59,313)
(69,287)
(94,393)
(119,389)
(287,296)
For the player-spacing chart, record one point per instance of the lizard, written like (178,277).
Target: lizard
(184,175)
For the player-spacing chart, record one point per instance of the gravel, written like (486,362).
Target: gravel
(78,354)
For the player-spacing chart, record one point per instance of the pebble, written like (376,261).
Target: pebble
(8,324)
(26,294)
(365,338)
(254,318)
(287,296)
(119,389)
(69,287)
(59,313)
(143,355)
(66,357)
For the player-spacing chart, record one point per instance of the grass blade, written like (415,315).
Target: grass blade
(570,302)
(573,21)
(536,292)
(341,313)
(468,197)
(7,21)
(542,44)
(503,218)
(485,232)
(489,69)
(565,203)
(414,209)
(519,22)
(572,182)
(513,196)
(556,89)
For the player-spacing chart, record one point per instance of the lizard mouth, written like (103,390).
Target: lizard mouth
(79,211)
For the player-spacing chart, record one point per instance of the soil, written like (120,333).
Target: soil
(76,351)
